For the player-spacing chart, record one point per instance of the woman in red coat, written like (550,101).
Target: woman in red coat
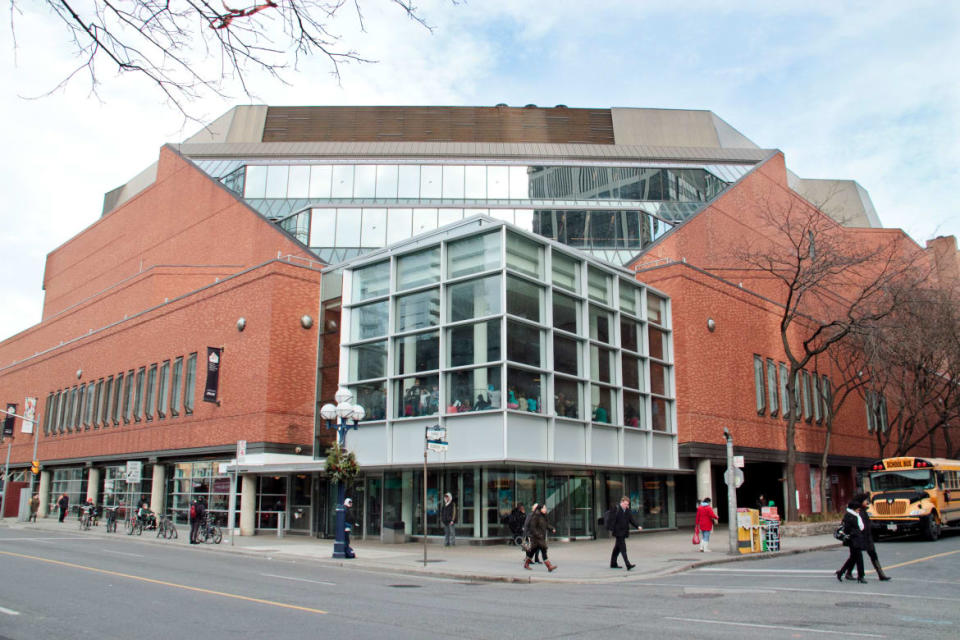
(706,516)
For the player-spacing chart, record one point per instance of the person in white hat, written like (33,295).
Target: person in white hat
(347,526)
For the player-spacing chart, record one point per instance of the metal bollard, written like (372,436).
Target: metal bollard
(280,518)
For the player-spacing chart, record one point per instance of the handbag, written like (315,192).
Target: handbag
(696,535)
(841,535)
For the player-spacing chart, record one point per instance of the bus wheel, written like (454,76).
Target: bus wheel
(931,527)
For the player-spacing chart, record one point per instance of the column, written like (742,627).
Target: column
(704,480)
(406,501)
(157,493)
(93,484)
(248,504)
(44,493)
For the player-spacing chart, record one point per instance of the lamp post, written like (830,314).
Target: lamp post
(337,418)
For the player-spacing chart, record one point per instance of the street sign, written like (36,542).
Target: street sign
(438,446)
(133,471)
(436,432)
(241,451)
(738,477)
(738,462)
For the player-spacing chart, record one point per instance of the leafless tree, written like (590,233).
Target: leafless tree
(189,48)
(827,286)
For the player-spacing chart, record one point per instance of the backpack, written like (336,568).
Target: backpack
(608,519)
(193,510)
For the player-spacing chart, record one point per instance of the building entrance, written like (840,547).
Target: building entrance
(570,505)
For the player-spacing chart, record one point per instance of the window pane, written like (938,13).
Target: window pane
(472,255)
(424,220)
(660,410)
(418,269)
(524,255)
(387,181)
(659,379)
(399,224)
(817,416)
(374,233)
(601,364)
(524,344)
(628,334)
(658,343)
(631,371)
(368,361)
(277,181)
(369,321)
(320,176)
(452,181)
(418,310)
(417,396)
(138,402)
(523,218)
(323,227)
(474,298)
(107,401)
(128,391)
(431,181)
(772,387)
(632,409)
(524,390)
(476,182)
(598,286)
(655,309)
(365,181)
(600,324)
(566,355)
(118,398)
(420,352)
(474,343)
(189,382)
(519,182)
(151,391)
(784,396)
(371,281)
(372,396)
(758,377)
(409,181)
(498,182)
(566,313)
(348,227)
(473,390)
(163,395)
(448,216)
(524,299)
(807,412)
(628,297)
(299,182)
(255,184)
(603,404)
(342,181)
(567,400)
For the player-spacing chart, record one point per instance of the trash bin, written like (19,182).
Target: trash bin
(394,533)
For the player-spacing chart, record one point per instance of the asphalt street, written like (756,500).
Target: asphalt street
(67,585)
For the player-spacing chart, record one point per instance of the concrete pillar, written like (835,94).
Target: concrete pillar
(93,484)
(406,502)
(704,480)
(158,493)
(248,504)
(44,493)
(477,512)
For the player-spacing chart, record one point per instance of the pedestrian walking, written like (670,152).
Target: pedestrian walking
(347,527)
(539,526)
(448,514)
(868,544)
(853,529)
(34,506)
(64,504)
(526,529)
(197,513)
(705,519)
(620,520)
(515,522)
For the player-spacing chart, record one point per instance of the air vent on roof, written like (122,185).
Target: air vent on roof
(560,106)
(529,106)
(501,104)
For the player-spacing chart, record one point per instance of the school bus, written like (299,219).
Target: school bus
(920,495)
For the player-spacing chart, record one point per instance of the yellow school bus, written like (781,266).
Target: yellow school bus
(919,495)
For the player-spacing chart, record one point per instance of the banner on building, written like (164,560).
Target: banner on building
(30,413)
(213,375)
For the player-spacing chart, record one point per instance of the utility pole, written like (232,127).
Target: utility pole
(731,495)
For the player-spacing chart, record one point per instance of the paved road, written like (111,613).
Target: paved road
(67,585)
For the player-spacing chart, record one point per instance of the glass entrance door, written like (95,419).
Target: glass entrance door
(570,505)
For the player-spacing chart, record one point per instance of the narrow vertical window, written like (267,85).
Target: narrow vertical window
(98,402)
(188,384)
(871,412)
(163,392)
(807,411)
(48,412)
(772,387)
(128,398)
(817,415)
(138,398)
(108,401)
(784,395)
(118,399)
(61,409)
(90,404)
(151,391)
(827,398)
(175,386)
(761,393)
(76,417)
(882,413)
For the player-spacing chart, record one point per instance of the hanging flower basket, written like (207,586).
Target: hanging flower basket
(341,464)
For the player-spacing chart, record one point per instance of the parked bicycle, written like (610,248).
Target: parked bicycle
(209,532)
(86,516)
(167,529)
(111,513)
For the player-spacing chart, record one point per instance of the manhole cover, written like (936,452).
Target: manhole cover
(863,604)
(700,595)
(404,586)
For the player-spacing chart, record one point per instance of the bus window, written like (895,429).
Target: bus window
(917,479)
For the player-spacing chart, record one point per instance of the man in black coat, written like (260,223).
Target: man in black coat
(853,527)
(868,545)
(621,519)
(199,511)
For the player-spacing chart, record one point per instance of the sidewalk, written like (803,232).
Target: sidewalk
(655,554)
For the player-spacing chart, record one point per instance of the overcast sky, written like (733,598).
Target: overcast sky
(855,90)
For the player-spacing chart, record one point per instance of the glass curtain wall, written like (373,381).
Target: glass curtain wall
(189,480)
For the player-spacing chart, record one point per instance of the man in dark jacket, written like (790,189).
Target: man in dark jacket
(853,527)
(64,504)
(868,545)
(621,519)
(199,511)
(448,515)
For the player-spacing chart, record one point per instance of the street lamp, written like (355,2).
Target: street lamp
(343,412)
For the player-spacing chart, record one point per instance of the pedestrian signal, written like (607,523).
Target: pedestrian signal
(35,467)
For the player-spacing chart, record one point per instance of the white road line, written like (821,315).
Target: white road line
(779,627)
(122,553)
(718,570)
(270,575)
(9,612)
(56,539)
(845,592)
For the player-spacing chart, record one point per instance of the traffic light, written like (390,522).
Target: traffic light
(35,467)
